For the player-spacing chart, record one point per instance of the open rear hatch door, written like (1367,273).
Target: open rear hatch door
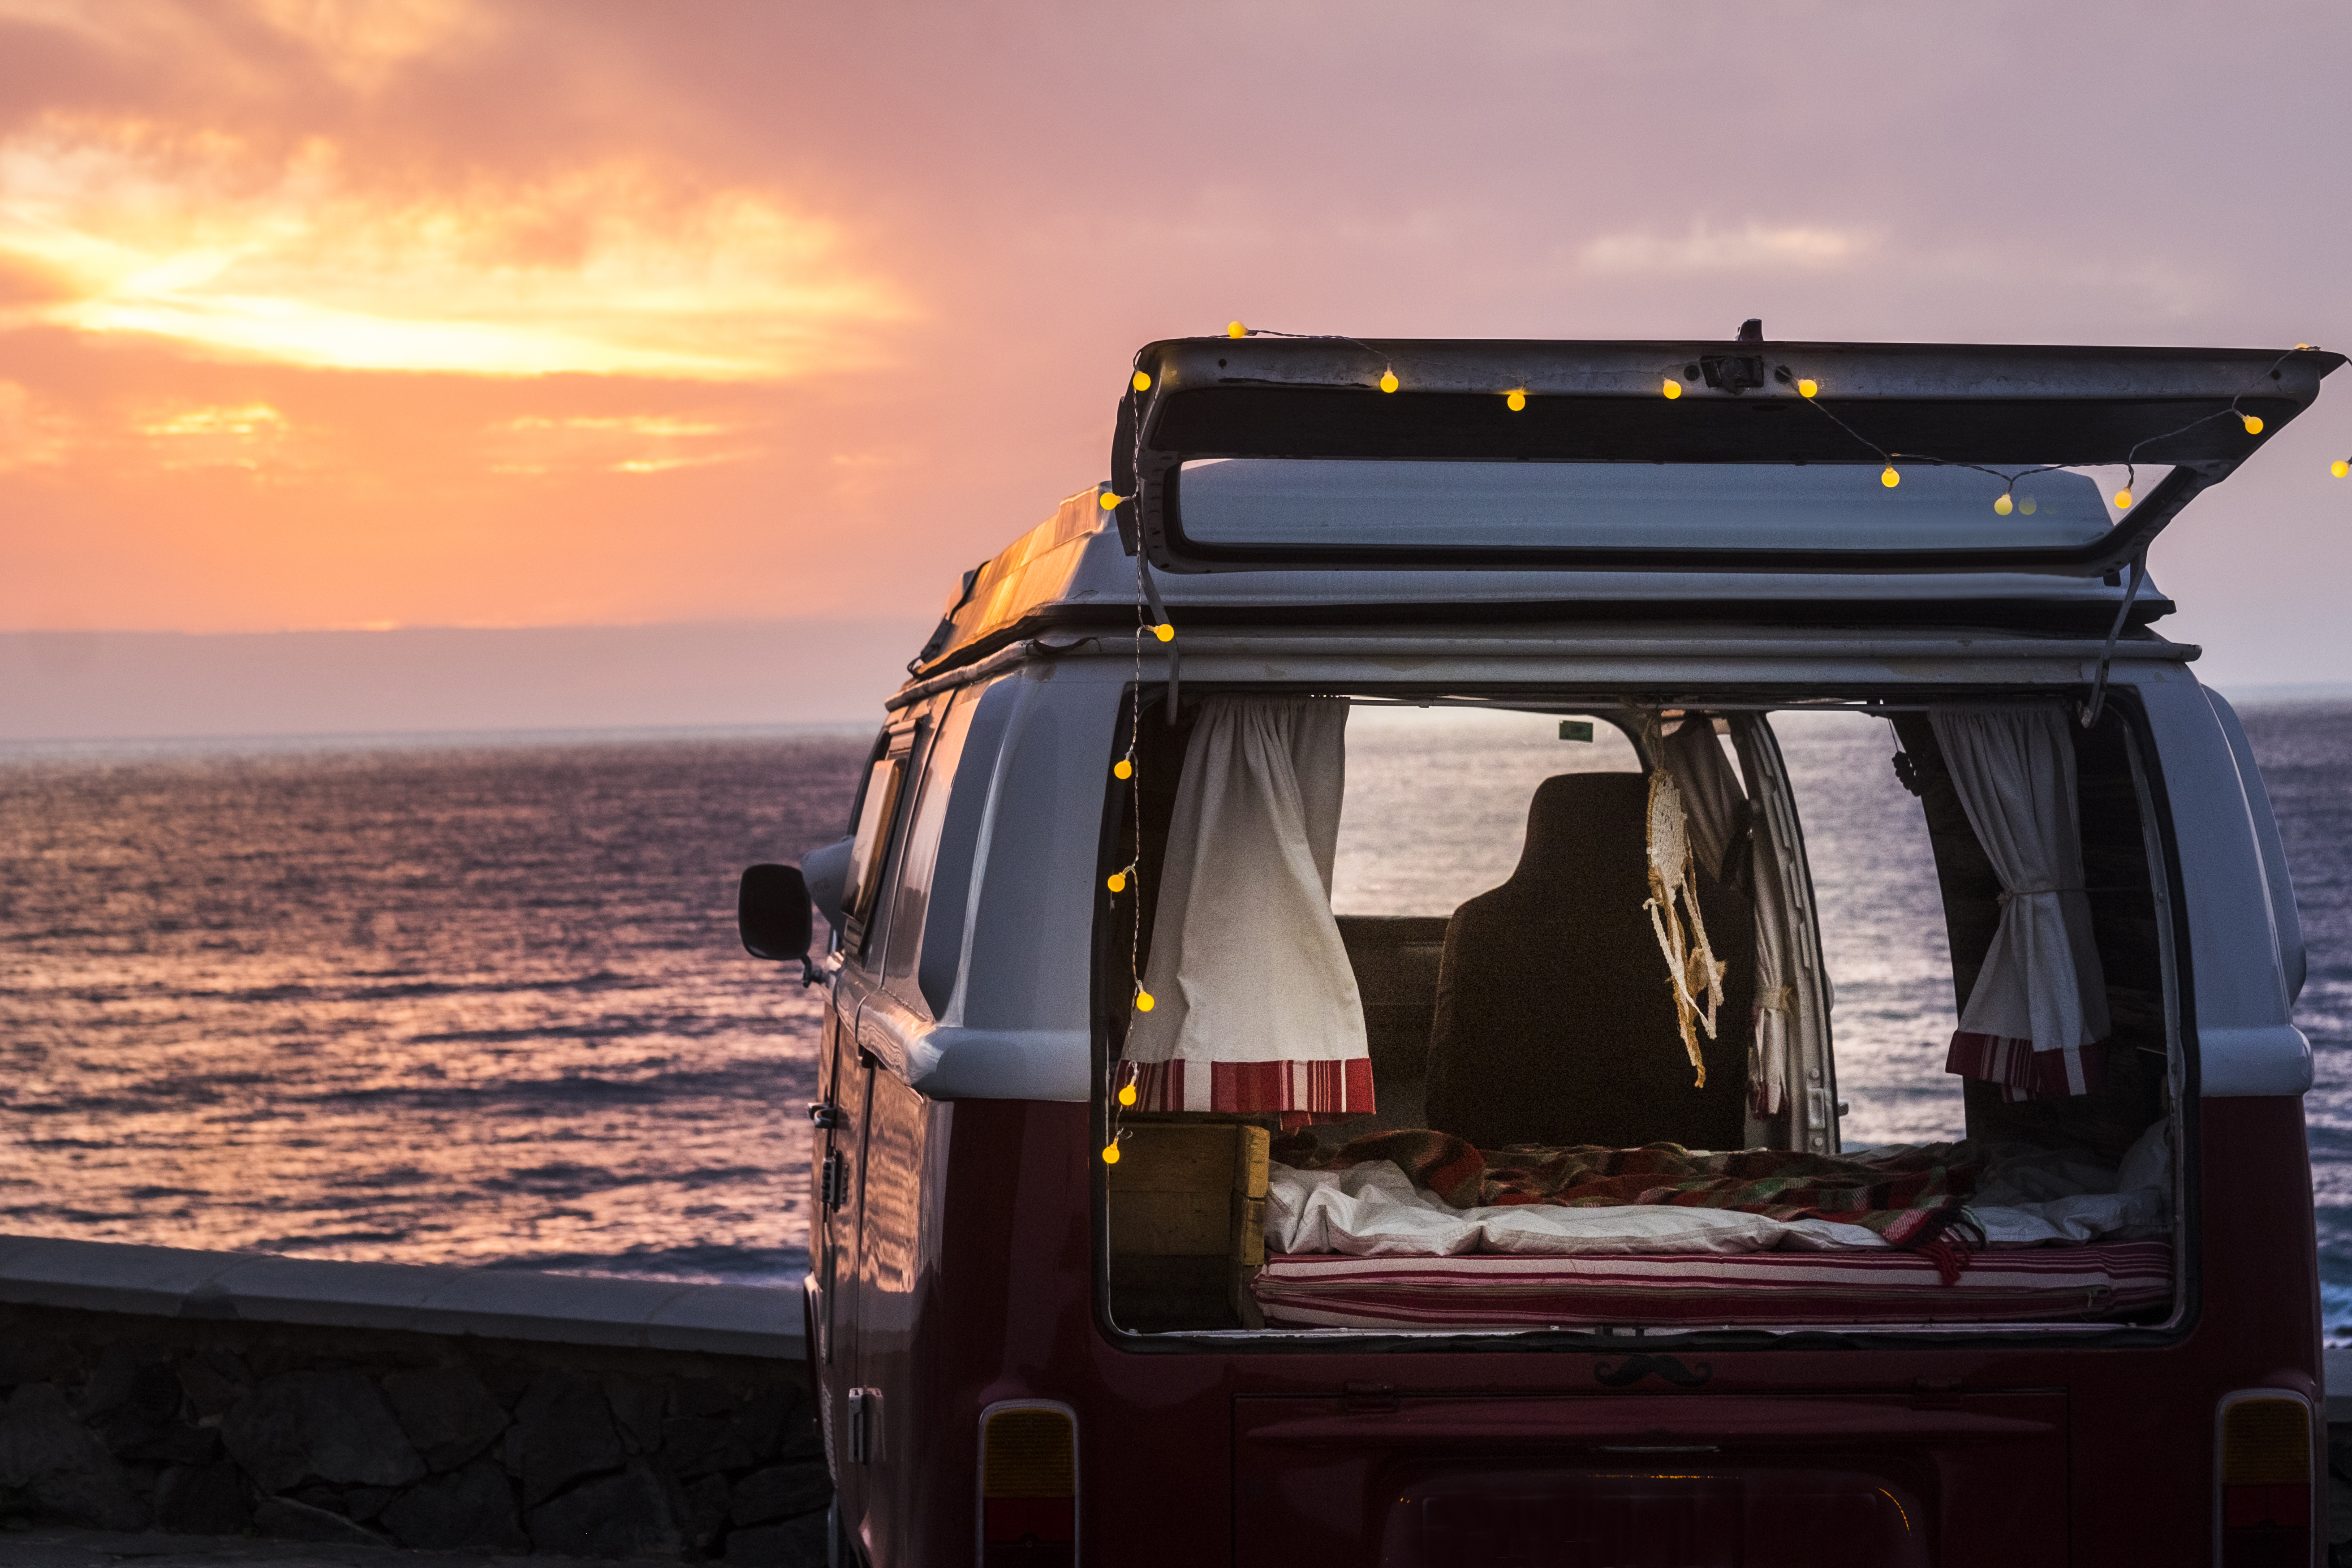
(1283,453)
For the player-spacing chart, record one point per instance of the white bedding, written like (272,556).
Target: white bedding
(2027,1199)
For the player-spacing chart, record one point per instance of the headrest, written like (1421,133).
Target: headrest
(1586,830)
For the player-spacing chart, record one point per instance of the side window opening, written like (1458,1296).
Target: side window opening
(878,814)
(987,713)
(1500,1004)
(911,901)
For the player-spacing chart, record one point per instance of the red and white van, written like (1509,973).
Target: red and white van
(1274,1111)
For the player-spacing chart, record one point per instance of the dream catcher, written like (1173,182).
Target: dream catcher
(1690,962)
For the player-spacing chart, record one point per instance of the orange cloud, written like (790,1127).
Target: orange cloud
(252,437)
(618,444)
(31,436)
(616,267)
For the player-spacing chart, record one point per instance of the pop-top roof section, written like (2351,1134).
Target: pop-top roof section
(1760,456)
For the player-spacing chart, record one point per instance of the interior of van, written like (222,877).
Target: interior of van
(1493,1013)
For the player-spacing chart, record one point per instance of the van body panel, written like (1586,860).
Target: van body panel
(2285,919)
(897,1268)
(2246,1041)
(1030,960)
(1983,1474)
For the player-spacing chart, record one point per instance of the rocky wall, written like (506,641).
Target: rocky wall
(122,1422)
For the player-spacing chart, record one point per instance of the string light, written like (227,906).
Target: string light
(1388,381)
(1514,399)
(2124,499)
(1110,1153)
(1235,330)
(1127,1094)
(1889,477)
(1109,501)
(1674,389)
(2339,467)
(1142,381)
(1143,1001)
(1116,882)
(2002,504)
(1122,769)
(1807,387)
(2029,506)
(1164,632)
(2253,423)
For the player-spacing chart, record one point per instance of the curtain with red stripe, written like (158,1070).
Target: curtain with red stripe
(1256,1002)
(2036,1019)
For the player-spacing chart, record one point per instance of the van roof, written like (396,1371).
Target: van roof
(1337,479)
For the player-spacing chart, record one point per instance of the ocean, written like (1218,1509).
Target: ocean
(481,1001)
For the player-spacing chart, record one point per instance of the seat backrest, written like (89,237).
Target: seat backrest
(1555,1020)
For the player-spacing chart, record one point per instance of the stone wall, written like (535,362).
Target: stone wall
(321,1434)
(203,1393)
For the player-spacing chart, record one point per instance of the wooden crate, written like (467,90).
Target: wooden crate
(1187,1225)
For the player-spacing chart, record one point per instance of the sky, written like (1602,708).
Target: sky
(327,317)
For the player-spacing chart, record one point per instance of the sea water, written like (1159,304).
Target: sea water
(484,1002)
(480,1004)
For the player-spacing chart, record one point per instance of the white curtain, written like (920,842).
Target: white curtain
(2040,997)
(1255,1003)
(1712,795)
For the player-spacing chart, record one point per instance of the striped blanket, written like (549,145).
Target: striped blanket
(1755,1289)
(1915,1198)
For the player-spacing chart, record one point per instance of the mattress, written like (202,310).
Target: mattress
(1744,1290)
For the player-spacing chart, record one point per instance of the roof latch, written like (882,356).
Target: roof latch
(1733,373)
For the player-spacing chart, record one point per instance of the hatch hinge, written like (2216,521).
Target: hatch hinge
(2091,710)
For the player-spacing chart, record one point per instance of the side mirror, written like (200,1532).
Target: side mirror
(772,911)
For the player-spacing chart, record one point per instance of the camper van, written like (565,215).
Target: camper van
(1329,1053)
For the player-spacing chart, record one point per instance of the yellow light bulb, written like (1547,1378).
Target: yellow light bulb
(1143,1002)
(1515,401)
(2123,499)
(1111,1153)
(2339,467)
(1127,1095)
(1122,769)
(1235,330)
(2253,423)
(1109,501)
(1116,882)
(1807,387)
(2029,506)
(1142,381)
(1164,632)
(1674,389)
(1388,381)
(2004,505)
(1889,477)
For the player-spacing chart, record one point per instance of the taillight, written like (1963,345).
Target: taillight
(1028,1485)
(2262,1460)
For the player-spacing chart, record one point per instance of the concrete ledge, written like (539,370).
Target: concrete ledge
(489,1303)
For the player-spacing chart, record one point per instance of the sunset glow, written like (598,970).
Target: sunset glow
(214,245)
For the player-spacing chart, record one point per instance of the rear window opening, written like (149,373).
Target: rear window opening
(1416,1058)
